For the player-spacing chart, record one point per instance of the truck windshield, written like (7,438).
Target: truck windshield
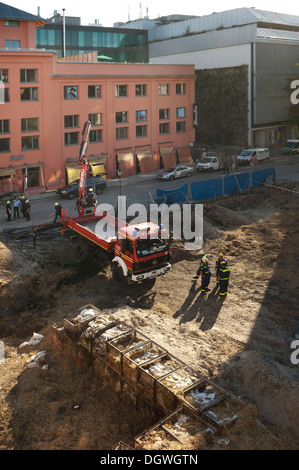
(150,246)
(207,159)
(246,153)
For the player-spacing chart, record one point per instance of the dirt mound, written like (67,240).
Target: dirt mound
(264,196)
(223,218)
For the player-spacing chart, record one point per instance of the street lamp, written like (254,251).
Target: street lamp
(119,174)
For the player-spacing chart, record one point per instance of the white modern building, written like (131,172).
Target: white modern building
(263,44)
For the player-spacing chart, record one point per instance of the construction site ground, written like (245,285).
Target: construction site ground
(243,343)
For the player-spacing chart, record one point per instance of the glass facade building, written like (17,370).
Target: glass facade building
(120,45)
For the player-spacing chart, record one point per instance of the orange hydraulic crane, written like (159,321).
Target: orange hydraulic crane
(82,191)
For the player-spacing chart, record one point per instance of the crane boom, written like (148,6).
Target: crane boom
(84,168)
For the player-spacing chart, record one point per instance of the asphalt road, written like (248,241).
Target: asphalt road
(140,189)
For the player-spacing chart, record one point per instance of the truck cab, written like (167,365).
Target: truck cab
(210,163)
(142,251)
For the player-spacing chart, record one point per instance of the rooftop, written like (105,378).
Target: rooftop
(10,13)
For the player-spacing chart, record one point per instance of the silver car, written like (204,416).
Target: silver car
(176,172)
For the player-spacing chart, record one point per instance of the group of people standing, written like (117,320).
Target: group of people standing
(222,274)
(19,205)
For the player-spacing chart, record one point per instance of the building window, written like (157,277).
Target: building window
(94,91)
(141,131)
(29,124)
(6,96)
(4,75)
(121,117)
(163,89)
(28,75)
(121,133)
(95,135)
(4,126)
(163,114)
(141,116)
(164,128)
(11,44)
(70,92)
(29,94)
(11,23)
(120,90)
(71,121)
(140,90)
(4,145)
(95,119)
(30,142)
(71,138)
(180,113)
(180,88)
(181,126)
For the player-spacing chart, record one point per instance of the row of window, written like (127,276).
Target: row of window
(89,38)
(72,138)
(71,121)
(94,91)
(26,75)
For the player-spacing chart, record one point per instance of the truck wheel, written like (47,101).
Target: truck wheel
(118,274)
(99,191)
(82,251)
(71,196)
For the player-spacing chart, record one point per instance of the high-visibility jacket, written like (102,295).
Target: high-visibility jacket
(224,273)
(205,270)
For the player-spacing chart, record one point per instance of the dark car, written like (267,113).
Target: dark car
(98,184)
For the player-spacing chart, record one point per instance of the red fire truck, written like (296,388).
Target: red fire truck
(138,252)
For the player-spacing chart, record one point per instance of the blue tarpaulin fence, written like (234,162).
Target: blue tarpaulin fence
(218,187)
(260,176)
(206,189)
(173,196)
(237,182)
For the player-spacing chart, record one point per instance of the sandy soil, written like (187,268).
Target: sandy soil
(243,344)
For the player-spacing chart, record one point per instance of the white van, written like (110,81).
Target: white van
(257,154)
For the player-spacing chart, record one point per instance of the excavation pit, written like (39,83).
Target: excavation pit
(75,323)
(170,389)
(95,328)
(182,429)
(225,412)
(152,371)
(203,395)
(133,360)
(132,367)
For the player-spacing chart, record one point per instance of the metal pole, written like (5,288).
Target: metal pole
(63,33)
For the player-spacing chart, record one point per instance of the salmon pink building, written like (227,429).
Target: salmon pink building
(141,114)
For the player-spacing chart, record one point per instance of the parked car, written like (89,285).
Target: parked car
(176,172)
(291,147)
(208,164)
(70,191)
(258,154)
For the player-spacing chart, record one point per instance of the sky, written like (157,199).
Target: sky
(125,10)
